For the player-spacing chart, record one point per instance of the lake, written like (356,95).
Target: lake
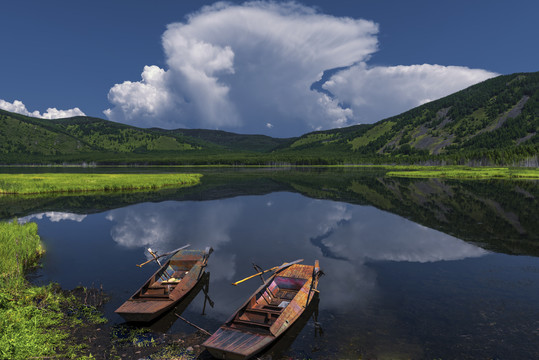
(414,269)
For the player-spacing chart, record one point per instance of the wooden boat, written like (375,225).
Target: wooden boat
(169,285)
(267,314)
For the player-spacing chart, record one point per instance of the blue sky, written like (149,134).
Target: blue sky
(249,67)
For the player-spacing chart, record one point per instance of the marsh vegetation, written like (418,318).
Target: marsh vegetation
(35,321)
(58,183)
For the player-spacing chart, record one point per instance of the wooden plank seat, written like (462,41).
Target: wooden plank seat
(153,296)
(156,285)
(250,322)
(263,318)
(155,291)
(271,310)
(272,307)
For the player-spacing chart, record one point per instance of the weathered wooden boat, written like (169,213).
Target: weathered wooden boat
(169,285)
(267,314)
(164,322)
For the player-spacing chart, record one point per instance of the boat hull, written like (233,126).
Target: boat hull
(243,345)
(143,311)
(166,288)
(266,315)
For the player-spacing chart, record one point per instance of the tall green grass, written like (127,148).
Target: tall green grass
(454,172)
(53,183)
(20,248)
(33,320)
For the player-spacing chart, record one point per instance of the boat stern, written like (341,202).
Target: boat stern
(231,344)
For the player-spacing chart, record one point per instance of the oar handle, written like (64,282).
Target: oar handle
(156,257)
(144,263)
(255,275)
(275,268)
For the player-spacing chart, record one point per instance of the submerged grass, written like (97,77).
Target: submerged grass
(54,183)
(34,321)
(456,172)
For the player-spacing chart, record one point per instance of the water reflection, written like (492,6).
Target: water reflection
(54,216)
(392,288)
(247,230)
(500,215)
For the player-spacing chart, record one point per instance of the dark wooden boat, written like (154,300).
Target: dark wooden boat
(267,314)
(169,285)
(164,322)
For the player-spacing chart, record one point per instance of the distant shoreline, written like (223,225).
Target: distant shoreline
(123,182)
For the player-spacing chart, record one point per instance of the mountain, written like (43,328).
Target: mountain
(24,138)
(493,122)
(232,141)
(497,115)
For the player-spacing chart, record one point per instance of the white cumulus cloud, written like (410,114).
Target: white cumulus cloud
(241,67)
(379,92)
(141,101)
(18,107)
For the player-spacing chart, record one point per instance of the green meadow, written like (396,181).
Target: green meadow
(456,172)
(55,183)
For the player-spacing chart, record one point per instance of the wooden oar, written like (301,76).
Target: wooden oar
(274,269)
(314,282)
(194,325)
(155,257)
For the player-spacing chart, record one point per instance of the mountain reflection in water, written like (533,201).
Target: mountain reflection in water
(271,229)
(393,288)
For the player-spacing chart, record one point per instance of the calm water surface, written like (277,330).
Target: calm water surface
(393,289)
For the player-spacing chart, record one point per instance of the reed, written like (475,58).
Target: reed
(468,173)
(34,321)
(70,183)
(20,248)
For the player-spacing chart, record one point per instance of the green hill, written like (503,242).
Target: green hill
(494,122)
(25,135)
(232,141)
(497,117)
(25,139)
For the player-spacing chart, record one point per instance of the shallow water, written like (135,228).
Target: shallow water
(396,284)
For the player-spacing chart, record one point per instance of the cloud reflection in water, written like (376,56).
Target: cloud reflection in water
(244,230)
(53,216)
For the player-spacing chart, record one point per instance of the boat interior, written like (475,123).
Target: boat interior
(268,304)
(164,281)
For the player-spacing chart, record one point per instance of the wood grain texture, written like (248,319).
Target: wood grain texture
(266,315)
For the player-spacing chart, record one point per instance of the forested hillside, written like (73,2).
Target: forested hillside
(491,123)
(85,139)
(496,121)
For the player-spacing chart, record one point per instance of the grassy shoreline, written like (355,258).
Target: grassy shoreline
(452,172)
(35,321)
(73,182)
